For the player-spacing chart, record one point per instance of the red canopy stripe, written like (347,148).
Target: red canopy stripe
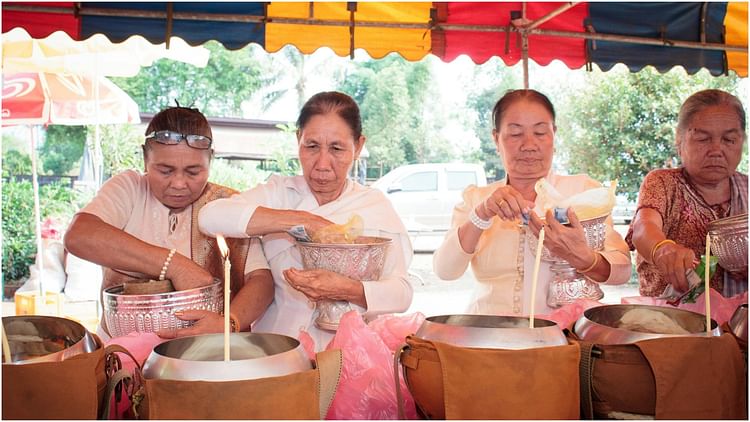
(40,25)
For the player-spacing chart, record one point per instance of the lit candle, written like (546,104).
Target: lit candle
(707,293)
(227,289)
(535,275)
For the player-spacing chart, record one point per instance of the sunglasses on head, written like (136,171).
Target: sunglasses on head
(168,137)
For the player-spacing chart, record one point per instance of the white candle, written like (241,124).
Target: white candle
(707,293)
(535,275)
(227,289)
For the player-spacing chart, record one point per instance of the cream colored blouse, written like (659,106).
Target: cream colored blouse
(503,261)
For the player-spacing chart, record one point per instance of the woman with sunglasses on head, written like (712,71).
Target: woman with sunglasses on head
(144,226)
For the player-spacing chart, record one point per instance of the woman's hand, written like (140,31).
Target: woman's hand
(186,274)
(312,222)
(206,322)
(566,242)
(672,260)
(506,203)
(323,284)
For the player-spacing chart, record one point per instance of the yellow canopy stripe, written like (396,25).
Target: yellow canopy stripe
(412,44)
(735,23)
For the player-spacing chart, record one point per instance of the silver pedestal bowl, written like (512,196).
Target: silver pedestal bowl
(729,242)
(362,260)
(567,284)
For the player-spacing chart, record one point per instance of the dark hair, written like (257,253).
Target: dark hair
(703,99)
(325,102)
(514,95)
(188,121)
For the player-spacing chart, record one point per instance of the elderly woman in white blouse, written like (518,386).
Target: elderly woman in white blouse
(330,138)
(486,232)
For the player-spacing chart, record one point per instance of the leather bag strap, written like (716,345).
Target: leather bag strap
(329,373)
(396,365)
(586,368)
(117,376)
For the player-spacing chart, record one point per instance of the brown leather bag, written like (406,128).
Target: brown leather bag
(71,389)
(302,395)
(666,378)
(449,382)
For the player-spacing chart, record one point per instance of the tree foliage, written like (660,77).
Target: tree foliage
(62,148)
(621,124)
(219,89)
(494,79)
(16,162)
(121,148)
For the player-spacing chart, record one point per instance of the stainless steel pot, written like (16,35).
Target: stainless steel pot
(601,324)
(738,322)
(36,338)
(201,358)
(491,331)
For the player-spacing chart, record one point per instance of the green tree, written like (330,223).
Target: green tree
(16,162)
(121,148)
(219,89)
(621,124)
(62,148)
(491,81)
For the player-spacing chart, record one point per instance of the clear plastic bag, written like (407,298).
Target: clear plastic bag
(366,388)
(588,204)
(340,233)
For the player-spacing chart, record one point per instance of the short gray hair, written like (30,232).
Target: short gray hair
(701,100)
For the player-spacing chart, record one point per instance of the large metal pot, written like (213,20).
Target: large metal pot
(362,260)
(738,322)
(601,324)
(491,331)
(36,338)
(201,358)
(149,313)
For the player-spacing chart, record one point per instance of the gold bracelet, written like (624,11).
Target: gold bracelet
(659,245)
(235,324)
(591,267)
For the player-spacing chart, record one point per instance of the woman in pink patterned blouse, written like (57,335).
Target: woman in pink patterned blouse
(676,205)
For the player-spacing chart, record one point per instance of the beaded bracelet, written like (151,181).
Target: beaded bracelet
(478,222)
(591,267)
(164,267)
(659,245)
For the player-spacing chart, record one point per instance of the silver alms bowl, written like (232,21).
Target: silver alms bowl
(153,312)
(201,358)
(601,324)
(362,260)
(729,241)
(491,331)
(36,338)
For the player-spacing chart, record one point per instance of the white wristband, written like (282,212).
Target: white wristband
(163,273)
(478,222)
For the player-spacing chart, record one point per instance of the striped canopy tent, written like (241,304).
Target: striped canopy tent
(693,35)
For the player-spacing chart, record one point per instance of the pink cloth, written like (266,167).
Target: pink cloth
(722,307)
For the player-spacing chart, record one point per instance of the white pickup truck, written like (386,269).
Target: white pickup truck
(424,195)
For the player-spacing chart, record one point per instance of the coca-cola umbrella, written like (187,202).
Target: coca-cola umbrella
(40,99)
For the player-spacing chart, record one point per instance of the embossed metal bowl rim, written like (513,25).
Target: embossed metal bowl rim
(377,241)
(729,223)
(84,343)
(113,295)
(590,328)
(491,331)
(588,220)
(283,355)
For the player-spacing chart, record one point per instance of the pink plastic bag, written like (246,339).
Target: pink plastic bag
(366,389)
(570,313)
(722,307)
